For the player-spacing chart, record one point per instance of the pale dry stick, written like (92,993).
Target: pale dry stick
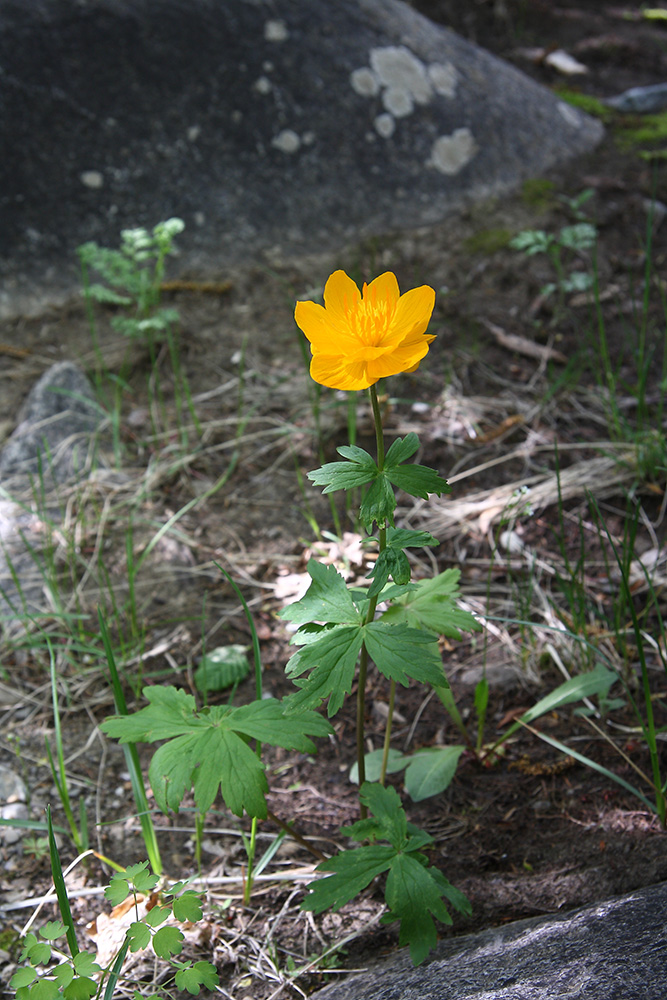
(40,903)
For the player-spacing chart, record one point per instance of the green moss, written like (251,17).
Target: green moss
(539,193)
(591,105)
(488,241)
(644,131)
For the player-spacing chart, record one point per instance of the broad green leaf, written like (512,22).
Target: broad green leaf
(390,563)
(412,895)
(37,952)
(327,599)
(385,805)
(431,605)
(188,907)
(353,871)
(431,771)
(138,935)
(332,661)
(594,682)
(168,941)
(404,538)
(195,976)
(401,653)
(221,668)
(373,763)
(85,964)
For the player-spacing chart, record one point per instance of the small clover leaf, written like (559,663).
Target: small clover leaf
(188,907)
(138,935)
(35,951)
(52,930)
(157,915)
(168,941)
(85,964)
(81,988)
(63,974)
(192,978)
(43,989)
(22,977)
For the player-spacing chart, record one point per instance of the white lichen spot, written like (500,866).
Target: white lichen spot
(276,31)
(443,77)
(451,153)
(398,102)
(93,179)
(364,82)
(570,114)
(262,85)
(385,125)
(193,133)
(287,141)
(199,218)
(308,138)
(397,68)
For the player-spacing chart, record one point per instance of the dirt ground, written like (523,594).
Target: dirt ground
(535,832)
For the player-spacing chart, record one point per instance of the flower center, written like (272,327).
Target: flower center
(371,318)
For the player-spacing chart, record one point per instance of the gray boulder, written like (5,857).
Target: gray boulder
(269,126)
(614,951)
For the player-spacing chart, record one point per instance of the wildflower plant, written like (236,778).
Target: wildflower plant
(356,339)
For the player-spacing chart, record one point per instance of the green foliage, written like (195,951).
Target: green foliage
(571,240)
(208,749)
(431,605)
(414,892)
(222,668)
(360,469)
(76,978)
(488,241)
(133,275)
(586,102)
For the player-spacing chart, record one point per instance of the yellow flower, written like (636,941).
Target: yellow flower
(357,338)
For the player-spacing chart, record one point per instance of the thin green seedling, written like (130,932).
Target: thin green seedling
(148,830)
(78,830)
(646,718)
(569,242)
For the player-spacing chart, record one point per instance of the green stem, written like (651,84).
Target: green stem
(387,731)
(370,614)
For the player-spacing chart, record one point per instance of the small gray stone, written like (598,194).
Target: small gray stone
(613,951)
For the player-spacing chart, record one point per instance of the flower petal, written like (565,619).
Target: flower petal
(338,372)
(384,288)
(323,334)
(341,296)
(403,359)
(414,309)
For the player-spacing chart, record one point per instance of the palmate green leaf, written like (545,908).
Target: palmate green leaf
(188,907)
(209,749)
(414,892)
(85,964)
(81,988)
(327,599)
(417,480)
(332,660)
(413,895)
(222,667)
(138,935)
(357,471)
(431,605)
(401,653)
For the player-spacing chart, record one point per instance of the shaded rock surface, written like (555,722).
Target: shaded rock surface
(271,127)
(51,445)
(617,949)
